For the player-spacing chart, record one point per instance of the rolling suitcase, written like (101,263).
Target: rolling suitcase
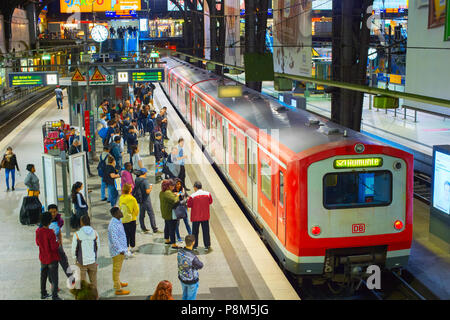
(31,210)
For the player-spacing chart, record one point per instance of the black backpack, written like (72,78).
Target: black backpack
(137,193)
(101,166)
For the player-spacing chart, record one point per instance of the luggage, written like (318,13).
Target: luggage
(31,210)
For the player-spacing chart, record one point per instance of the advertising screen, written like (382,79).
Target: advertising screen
(441,183)
(173,7)
(71,6)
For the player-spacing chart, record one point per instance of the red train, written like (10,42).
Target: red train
(330,200)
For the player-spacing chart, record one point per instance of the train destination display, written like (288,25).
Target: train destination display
(441,184)
(140,75)
(358,163)
(32,79)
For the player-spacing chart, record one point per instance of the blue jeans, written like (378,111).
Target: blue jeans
(188,227)
(103,189)
(59,102)
(189,291)
(13,177)
(112,195)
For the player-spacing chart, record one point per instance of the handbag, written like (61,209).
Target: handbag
(180,212)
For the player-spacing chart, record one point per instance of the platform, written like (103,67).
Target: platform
(239,267)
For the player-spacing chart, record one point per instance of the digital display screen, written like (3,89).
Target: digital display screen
(441,183)
(149,75)
(71,6)
(32,79)
(358,163)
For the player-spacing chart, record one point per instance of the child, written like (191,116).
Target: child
(48,256)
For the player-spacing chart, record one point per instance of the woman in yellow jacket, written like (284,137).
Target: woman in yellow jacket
(130,209)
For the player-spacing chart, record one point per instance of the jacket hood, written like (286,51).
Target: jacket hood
(87,232)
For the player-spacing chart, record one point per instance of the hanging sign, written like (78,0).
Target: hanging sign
(77,76)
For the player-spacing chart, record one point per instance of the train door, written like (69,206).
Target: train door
(225,144)
(195,113)
(206,134)
(252,185)
(281,205)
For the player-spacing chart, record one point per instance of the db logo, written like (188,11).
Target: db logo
(358,228)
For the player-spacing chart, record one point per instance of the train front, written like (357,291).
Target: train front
(355,210)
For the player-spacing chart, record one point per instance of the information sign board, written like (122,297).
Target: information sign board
(140,75)
(32,79)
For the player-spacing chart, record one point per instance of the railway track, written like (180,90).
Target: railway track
(11,115)
(422,187)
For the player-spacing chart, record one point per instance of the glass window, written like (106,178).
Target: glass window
(281,195)
(266,180)
(357,189)
(186,98)
(234,147)
(207,120)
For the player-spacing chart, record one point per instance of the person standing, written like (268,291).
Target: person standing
(181,159)
(59,97)
(75,147)
(109,175)
(188,266)
(79,203)
(163,117)
(115,152)
(101,169)
(136,158)
(56,225)
(199,203)
(183,195)
(48,256)
(32,181)
(117,241)
(9,163)
(151,131)
(142,195)
(85,247)
(132,140)
(126,176)
(168,201)
(130,210)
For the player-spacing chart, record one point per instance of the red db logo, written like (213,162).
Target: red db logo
(358,228)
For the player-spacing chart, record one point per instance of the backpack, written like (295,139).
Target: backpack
(103,132)
(78,250)
(101,166)
(137,193)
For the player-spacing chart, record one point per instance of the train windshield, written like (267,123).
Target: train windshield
(357,189)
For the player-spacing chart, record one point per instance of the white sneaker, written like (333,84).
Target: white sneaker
(133,250)
(128,254)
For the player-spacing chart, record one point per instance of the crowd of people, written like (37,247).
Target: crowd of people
(120,126)
(122,32)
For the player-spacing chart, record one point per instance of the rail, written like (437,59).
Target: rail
(422,187)
(13,95)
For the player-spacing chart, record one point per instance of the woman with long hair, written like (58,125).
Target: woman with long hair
(163,291)
(9,163)
(80,205)
(32,181)
(183,195)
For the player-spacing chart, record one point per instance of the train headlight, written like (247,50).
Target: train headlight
(316,230)
(398,225)
(359,148)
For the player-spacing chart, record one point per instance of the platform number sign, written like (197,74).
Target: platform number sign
(358,228)
(122,76)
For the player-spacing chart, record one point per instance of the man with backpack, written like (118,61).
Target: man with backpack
(141,192)
(85,247)
(101,169)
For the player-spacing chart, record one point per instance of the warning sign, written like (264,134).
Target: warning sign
(77,76)
(98,76)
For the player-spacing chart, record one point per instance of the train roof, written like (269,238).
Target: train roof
(299,130)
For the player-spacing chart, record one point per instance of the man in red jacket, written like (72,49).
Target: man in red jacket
(199,203)
(48,255)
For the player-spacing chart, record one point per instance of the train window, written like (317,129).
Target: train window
(196,108)
(266,180)
(234,147)
(207,120)
(241,154)
(357,189)
(281,195)
(186,98)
